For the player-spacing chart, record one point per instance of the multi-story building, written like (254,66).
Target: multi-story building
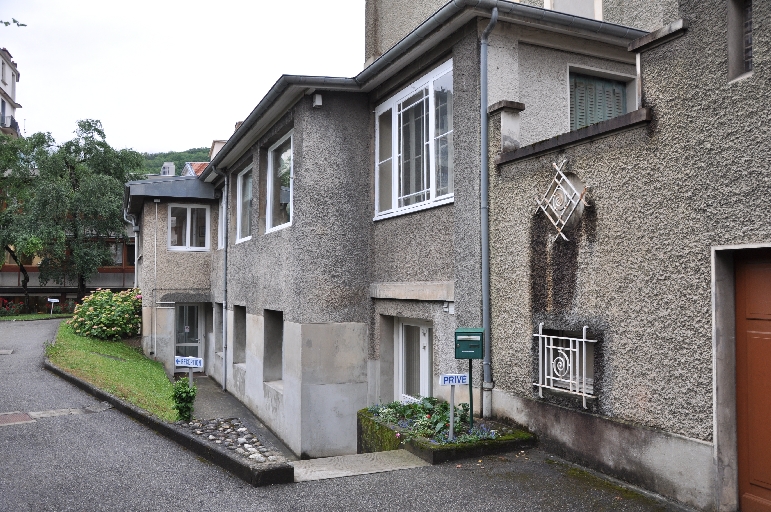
(580,178)
(9,76)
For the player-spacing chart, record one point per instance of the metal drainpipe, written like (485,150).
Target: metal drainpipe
(155,282)
(487,385)
(225,225)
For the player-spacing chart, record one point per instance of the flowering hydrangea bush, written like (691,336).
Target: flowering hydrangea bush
(107,315)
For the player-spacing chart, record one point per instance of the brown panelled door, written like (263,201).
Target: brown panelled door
(753,379)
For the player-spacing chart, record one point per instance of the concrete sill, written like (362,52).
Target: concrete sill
(595,131)
(276,385)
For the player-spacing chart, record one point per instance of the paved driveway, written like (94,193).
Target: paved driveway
(105,461)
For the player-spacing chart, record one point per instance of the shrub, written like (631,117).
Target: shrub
(8,308)
(428,418)
(107,315)
(183,396)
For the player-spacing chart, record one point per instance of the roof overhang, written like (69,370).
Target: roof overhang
(441,25)
(135,193)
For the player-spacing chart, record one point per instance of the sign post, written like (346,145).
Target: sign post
(469,344)
(451,380)
(53,301)
(190,363)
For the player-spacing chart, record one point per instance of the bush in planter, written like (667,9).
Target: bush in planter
(429,418)
(107,315)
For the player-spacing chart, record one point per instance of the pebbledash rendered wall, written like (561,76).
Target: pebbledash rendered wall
(315,272)
(436,247)
(638,269)
(388,21)
(168,277)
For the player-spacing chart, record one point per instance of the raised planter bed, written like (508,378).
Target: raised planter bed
(374,436)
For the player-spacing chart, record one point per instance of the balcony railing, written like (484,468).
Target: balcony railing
(8,124)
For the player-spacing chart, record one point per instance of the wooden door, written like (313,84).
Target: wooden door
(753,379)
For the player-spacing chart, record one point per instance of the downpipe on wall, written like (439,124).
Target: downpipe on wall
(224,313)
(487,384)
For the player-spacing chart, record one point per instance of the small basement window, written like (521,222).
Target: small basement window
(565,362)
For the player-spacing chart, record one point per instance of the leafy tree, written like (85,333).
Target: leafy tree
(17,157)
(154,161)
(14,22)
(75,205)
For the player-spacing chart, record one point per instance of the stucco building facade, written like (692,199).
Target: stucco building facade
(344,237)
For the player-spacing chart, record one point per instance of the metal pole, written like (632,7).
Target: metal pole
(451,437)
(470,395)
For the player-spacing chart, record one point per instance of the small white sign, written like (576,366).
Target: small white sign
(453,379)
(187,328)
(190,362)
(53,300)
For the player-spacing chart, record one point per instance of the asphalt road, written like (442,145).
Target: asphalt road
(106,461)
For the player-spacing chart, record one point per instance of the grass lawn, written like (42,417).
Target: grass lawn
(116,368)
(34,316)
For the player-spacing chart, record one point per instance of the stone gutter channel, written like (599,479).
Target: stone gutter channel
(224,442)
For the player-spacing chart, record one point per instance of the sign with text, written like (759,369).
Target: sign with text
(453,379)
(190,362)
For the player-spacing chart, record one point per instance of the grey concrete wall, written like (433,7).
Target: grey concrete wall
(637,270)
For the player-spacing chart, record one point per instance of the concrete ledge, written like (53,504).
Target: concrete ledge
(660,36)
(595,131)
(514,106)
(416,290)
(278,473)
(673,466)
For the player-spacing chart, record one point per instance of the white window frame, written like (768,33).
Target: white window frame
(426,357)
(239,192)
(269,187)
(221,222)
(187,247)
(549,4)
(392,103)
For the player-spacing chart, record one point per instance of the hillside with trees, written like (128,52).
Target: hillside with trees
(154,161)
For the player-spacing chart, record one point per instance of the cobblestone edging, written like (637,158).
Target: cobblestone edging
(231,434)
(251,470)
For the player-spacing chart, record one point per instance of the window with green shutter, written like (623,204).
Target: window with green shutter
(595,99)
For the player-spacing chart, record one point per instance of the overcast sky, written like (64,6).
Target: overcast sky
(167,75)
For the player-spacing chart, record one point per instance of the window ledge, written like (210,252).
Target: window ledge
(244,239)
(739,78)
(673,30)
(276,385)
(278,228)
(188,249)
(595,131)
(415,208)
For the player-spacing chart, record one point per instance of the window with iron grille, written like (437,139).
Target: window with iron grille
(594,99)
(565,362)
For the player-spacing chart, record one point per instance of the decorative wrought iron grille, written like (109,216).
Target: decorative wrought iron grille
(562,364)
(561,201)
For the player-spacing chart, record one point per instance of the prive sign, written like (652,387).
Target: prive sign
(453,379)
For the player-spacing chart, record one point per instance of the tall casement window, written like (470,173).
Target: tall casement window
(188,227)
(244,208)
(747,34)
(594,99)
(739,38)
(280,177)
(414,154)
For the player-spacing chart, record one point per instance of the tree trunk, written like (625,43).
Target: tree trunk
(81,287)
(23,281)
